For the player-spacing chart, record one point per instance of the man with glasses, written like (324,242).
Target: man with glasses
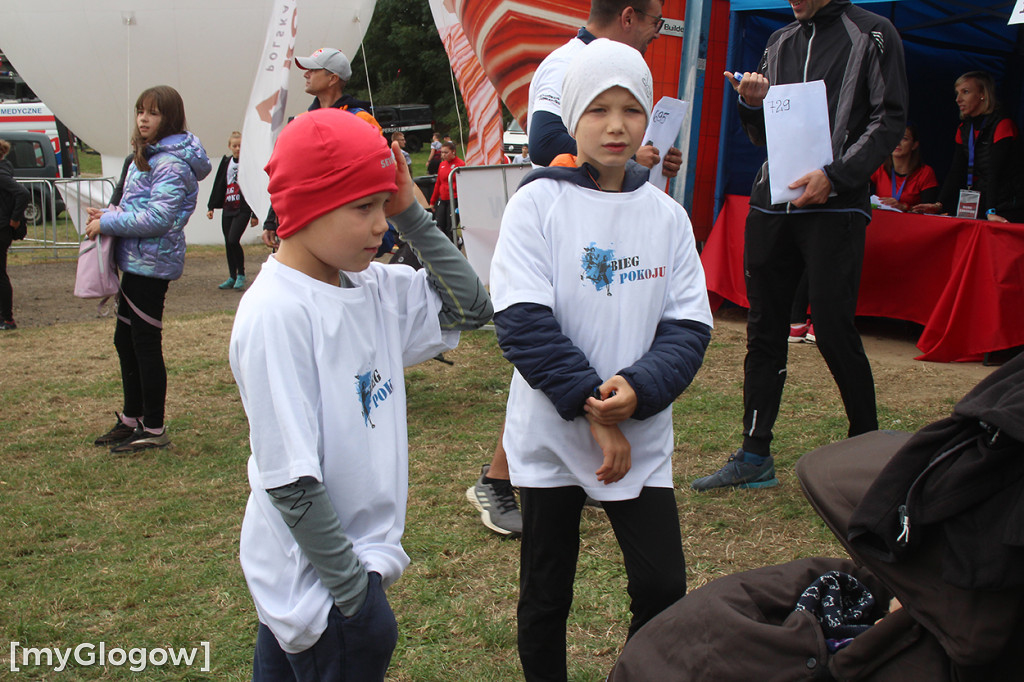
(659,21)
(635,23)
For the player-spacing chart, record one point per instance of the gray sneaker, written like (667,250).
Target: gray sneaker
(739,474)
(141,440)
(497,505)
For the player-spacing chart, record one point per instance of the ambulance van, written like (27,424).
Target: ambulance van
(41,147)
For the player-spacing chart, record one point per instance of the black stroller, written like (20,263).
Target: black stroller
(935,519)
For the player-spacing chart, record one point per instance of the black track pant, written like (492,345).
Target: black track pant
(6,292)
(830,246)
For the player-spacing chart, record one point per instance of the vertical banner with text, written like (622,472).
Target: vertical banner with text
(265,114)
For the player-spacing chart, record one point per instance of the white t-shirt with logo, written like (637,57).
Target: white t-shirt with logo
(320,372)
(610,266)
(546,85)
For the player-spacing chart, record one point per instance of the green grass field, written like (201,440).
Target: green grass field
(142,551)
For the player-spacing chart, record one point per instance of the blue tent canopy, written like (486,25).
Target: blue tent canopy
(747,5)
(941,39)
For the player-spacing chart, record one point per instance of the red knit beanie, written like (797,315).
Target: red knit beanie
(322,160)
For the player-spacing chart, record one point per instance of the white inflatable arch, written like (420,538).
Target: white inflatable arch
(88,61)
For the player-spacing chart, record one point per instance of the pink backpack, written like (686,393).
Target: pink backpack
(97,271)
(97,278)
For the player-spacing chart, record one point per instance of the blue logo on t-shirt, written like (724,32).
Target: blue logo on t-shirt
(600,266)
(597,267)
(372,392)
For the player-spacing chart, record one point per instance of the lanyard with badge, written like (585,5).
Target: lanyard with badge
(897,193)
(969,198)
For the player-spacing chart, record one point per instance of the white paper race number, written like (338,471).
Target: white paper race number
(798,134)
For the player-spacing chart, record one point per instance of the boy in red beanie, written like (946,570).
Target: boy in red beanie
(318,349)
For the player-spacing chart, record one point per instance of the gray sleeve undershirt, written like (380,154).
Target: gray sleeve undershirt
(314,524)
(464,301)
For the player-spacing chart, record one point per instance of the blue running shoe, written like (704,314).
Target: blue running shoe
(739,474)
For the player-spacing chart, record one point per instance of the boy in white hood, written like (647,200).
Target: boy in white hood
(602,307)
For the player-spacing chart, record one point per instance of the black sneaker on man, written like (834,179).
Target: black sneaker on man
(739,474)
(141,440)
(120,432)
(495,499)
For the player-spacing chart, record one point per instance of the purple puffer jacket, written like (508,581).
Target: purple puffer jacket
(156,204)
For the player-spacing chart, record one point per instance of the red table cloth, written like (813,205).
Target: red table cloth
(963,280)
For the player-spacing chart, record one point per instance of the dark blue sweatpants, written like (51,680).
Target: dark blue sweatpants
(354,649)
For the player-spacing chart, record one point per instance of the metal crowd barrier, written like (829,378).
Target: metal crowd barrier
(57,212)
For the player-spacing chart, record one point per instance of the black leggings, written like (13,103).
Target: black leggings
(647,529)
(6,292)
(233,226)
(443,218)
(140,350)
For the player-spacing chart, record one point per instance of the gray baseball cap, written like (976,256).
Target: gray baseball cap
(328,58)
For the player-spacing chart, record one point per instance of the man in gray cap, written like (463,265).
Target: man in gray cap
(327,71)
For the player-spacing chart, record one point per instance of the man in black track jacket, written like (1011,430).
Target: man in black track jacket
(859,56)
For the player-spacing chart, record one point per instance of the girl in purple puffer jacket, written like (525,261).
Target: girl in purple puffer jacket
(159,197)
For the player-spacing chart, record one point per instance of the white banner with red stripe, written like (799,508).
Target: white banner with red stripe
(483,108)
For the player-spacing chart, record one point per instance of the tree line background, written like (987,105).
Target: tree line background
(407,63)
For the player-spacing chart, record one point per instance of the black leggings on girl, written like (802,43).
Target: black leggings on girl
(233,227)
(140,350)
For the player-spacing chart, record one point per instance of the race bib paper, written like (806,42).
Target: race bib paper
(662,131)
(1017,16)
(799,139)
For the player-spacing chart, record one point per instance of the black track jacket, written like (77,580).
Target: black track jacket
(859,55)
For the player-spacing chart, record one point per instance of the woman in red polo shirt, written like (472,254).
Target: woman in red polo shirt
(903,182)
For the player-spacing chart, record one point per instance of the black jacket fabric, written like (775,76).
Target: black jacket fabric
(743,627)
(345,102)
(997,170)
(981,631)
(859,56)
(962,479)
(531,338)
(13,196)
